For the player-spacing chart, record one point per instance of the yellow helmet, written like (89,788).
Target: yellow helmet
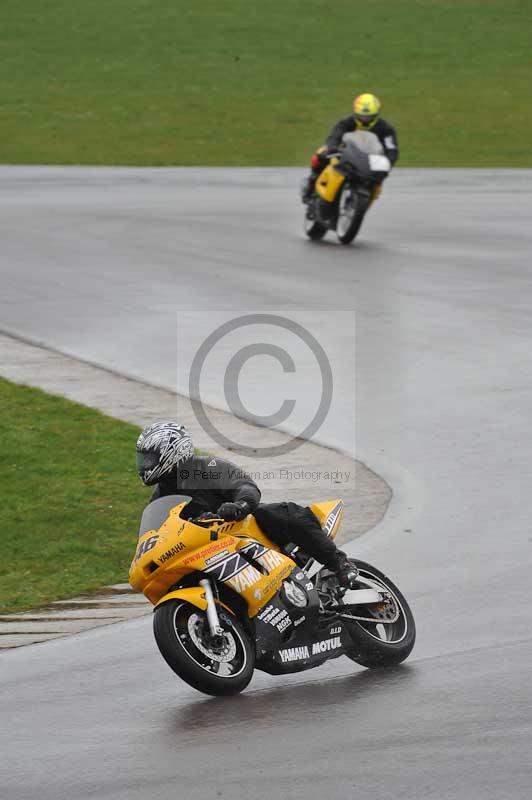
(366,108)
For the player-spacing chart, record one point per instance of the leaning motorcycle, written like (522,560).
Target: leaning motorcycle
(344,190)
(229,601)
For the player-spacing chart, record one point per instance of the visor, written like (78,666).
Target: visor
(147,460)
(365,119)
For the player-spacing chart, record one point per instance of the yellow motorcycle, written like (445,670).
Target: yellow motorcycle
(228,601)
(345,189)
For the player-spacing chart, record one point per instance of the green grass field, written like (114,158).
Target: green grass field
(168,82)
(70,498)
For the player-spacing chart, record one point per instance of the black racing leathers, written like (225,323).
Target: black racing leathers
(289,523)
(385,133)
(209,482)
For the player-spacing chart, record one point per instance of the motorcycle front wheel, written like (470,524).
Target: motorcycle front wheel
(218,665)
(351,209)
(387,632)
(314,229)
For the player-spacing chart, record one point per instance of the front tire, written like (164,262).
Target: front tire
(382,642)
(352,207)
(217,667)
(314,229)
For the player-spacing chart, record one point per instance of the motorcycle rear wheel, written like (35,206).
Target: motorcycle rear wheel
(382,642)
(214,667)
(351,210)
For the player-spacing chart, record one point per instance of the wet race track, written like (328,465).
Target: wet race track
(436,370)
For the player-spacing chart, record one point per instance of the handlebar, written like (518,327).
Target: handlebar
(206,519)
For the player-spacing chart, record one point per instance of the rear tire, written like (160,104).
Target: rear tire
(379,643)
(351,210)
(217,668)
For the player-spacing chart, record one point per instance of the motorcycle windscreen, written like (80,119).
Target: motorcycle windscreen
(352,156)
(156,513)
(366,141)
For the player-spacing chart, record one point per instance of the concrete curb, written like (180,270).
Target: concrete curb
(309,473)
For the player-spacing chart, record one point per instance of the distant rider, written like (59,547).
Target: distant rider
(365,117)
(166,460)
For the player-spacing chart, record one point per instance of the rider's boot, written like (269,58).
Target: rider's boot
(307,187)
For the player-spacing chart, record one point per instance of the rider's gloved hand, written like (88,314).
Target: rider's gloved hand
(232,512)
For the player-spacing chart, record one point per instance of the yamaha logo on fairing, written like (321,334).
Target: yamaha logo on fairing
(294,654)
(172,552)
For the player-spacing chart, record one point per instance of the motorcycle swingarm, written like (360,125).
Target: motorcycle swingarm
(358,597)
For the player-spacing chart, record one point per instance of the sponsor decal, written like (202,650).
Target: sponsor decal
(335,631)
(300,576)
(265,612)
(276,617)
(254,549)
(217,557)
(212,462)
(302,652)
(244,578)
(332,518)
(145,546)
(226,568)
(205,553)
(172,552)
(294,654)
(271,559)
(257,594)
(299,621)
(325,645)
(276,582)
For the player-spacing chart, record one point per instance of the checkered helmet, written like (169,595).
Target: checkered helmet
(160,448)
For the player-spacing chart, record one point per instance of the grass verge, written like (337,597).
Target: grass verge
(251,83)
(70,498)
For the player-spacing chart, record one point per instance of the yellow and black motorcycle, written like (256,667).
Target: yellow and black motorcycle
(227,601)
(345,189)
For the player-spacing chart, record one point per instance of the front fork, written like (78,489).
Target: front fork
(212,613)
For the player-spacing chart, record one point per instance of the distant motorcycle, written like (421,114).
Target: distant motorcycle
(228,601)
(345,188)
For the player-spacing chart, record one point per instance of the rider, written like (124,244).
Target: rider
(365,117)
(166,459)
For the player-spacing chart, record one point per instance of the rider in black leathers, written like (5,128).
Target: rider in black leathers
(365,117)
(166,459)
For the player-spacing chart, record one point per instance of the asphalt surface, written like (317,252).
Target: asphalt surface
(96,264)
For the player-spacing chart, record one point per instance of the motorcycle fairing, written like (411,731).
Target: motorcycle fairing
(291,638)
(305,653)
(329,181)
(329,515)
(194,595)
(354,163)
(254,571)
(306,647)
(164,556)
(235,553)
